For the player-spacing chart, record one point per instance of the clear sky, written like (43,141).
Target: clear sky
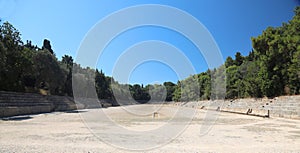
(66,22)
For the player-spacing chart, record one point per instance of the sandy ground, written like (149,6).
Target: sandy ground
(87,131)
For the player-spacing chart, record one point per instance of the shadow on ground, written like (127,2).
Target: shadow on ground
(76,111)
(17,118)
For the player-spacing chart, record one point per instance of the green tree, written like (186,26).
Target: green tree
(238,59)
(157,92)
(11,60)
(47,46)
(102,84)
(136,92)
(190,89)
(170,87)
(177,92)
(229,62)
(275,50)
(67,61)
(48,70)
(204,80)
(252,82)
(294,73)
(232,78)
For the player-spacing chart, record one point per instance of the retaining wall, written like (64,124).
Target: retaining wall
(284,106)
(14,103)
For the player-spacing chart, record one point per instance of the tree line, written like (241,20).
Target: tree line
(28,68)
(272,68)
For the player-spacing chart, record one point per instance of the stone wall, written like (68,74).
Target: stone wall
(13,103)
(284,106)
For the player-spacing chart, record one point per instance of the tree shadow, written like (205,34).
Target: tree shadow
(16,118)
(76,111)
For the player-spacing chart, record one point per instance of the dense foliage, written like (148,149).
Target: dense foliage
(272,68)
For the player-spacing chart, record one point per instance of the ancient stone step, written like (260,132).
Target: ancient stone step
(13,103)
(23,104)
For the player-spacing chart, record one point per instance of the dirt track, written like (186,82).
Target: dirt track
(66,132)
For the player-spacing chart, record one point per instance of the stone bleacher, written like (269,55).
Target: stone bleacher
(14,103)
(284,106)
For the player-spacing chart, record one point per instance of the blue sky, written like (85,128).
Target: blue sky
(65,23)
